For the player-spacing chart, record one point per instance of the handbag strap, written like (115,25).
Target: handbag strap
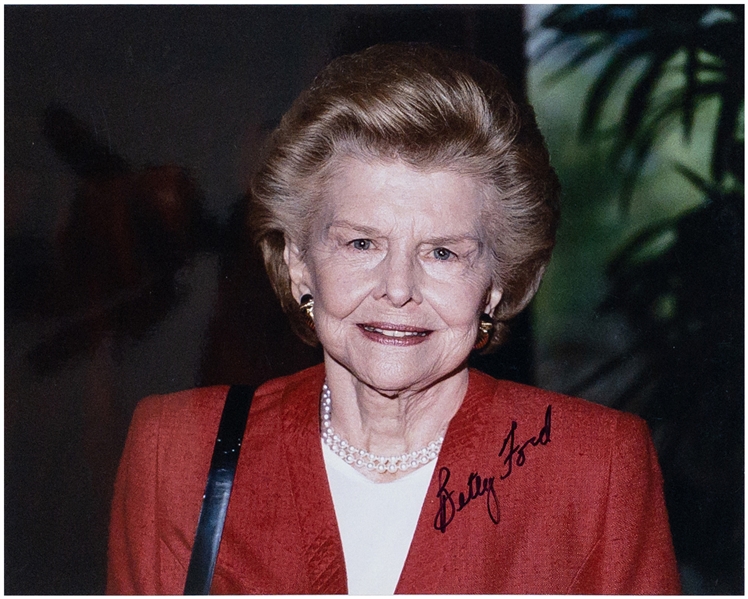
(218,490)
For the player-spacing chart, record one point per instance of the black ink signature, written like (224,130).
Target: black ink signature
(477,486)
(543,438)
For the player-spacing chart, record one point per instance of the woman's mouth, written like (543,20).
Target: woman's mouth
(392,334)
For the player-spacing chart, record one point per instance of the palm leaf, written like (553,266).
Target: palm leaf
(603,85)
(587,51)
(639,98)
(713,45)
(706,187)
(724,136)
(689,95)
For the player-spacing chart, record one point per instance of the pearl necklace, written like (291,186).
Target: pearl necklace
(362,458)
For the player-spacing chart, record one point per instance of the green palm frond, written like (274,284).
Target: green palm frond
(646,41)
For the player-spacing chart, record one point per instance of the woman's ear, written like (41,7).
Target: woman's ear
(297,270)
(493,297)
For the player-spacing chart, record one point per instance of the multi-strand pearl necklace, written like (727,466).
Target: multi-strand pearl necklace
(362,458)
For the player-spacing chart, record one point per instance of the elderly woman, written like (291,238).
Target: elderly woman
(406,210)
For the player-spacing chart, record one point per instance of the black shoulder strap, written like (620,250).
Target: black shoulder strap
(218,490)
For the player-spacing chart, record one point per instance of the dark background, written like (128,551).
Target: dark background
(130,133)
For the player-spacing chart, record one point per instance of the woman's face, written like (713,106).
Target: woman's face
(399,272)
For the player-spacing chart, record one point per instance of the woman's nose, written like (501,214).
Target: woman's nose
(400,281)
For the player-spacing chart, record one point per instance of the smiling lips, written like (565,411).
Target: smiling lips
(390,334)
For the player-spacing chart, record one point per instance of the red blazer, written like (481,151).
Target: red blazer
(533,492)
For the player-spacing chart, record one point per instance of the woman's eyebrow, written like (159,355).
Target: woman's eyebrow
(359,228)
(454,239)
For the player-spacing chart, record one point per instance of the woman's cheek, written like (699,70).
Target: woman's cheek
(340,287)
(459,302)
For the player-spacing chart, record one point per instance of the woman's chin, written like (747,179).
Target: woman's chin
(396,374)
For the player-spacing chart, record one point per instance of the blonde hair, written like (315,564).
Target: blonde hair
(434,110)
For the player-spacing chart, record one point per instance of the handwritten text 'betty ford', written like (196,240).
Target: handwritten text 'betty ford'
(481,486)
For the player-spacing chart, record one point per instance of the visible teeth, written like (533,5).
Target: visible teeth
(397,333)
(389,333)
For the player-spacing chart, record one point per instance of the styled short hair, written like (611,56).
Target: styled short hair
(434,110)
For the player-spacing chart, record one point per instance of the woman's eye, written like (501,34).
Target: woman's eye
(442,254)
(361,244)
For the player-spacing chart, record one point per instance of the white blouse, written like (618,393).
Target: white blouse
(376,522)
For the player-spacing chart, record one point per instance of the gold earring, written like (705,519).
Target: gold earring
(485,328)
(306,306)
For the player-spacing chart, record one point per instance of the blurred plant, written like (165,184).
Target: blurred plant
(678,282)
(701,43)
